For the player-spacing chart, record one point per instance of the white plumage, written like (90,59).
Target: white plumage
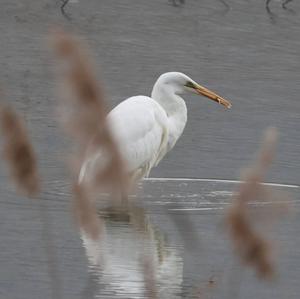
(147,128)
(140,127)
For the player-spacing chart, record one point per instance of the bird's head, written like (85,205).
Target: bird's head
(181,84)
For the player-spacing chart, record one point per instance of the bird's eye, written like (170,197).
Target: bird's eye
(189,84)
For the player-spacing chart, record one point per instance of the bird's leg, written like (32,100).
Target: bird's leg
(120,200)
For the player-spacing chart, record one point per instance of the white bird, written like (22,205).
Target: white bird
(145,128)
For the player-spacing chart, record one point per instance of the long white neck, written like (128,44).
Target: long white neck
(175,107)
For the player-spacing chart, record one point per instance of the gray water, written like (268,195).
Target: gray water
(180,228)
(242,53)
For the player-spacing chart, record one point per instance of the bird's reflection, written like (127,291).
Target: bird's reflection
(118,257)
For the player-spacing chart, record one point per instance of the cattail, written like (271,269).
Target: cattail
(86,118)
(84,113)
(18,152)
(85,101)
(249,244)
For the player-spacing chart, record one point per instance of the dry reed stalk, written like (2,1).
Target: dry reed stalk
(250,245)
(85,120)
(149,278)
(85,212)
(18,152)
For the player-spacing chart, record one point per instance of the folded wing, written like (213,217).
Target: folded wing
(140,128)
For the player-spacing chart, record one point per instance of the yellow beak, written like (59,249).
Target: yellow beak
(211,95)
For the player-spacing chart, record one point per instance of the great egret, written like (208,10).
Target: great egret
(145,128)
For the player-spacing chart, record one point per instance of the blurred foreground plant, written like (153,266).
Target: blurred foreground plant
(250,245)
(18,152)
(85,120)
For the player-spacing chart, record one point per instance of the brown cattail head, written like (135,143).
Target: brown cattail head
(86,118)
(18,152)
(252,248)
(85,101)
(84,113)
(249,244)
